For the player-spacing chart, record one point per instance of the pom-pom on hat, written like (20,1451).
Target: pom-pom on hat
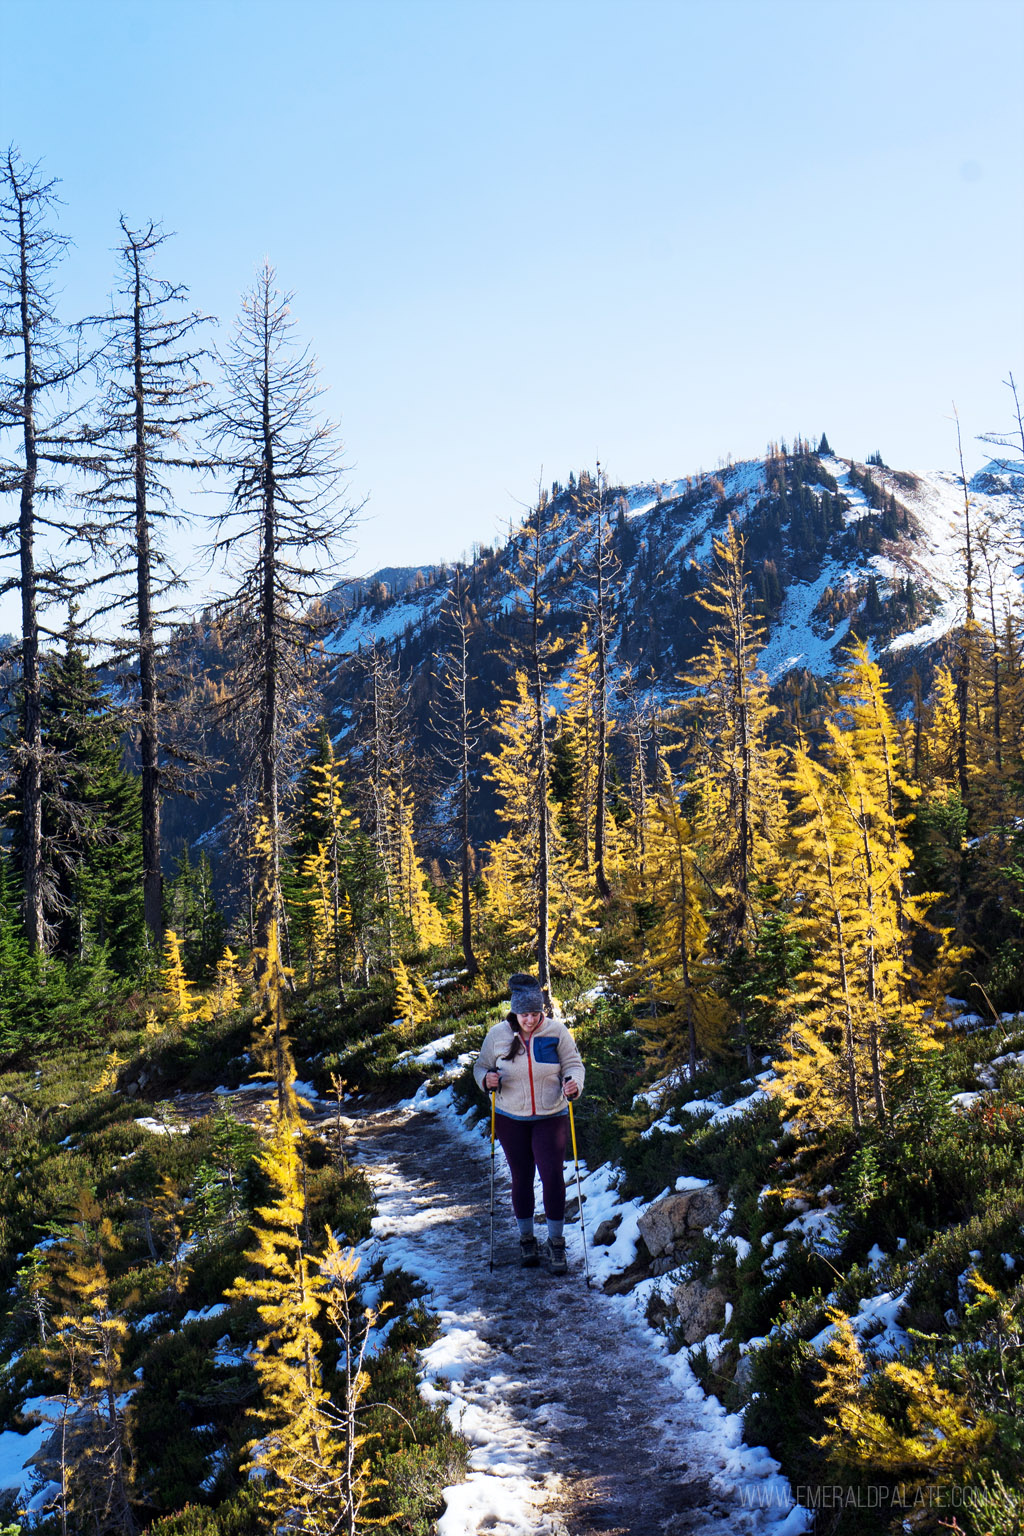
(527,996)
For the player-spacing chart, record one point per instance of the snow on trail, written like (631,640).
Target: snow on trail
(578,1418)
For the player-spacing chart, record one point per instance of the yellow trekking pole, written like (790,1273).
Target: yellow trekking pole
(579,1192)
(493,1096)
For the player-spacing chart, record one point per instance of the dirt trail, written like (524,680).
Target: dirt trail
(573,1373)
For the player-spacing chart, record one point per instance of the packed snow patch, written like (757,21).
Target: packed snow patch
(427,1054)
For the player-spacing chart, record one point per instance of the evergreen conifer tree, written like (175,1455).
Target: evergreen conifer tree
(191,910)
(91,818)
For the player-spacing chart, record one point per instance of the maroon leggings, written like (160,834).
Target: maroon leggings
(540,1144)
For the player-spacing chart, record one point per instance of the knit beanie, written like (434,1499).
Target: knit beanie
(527,996)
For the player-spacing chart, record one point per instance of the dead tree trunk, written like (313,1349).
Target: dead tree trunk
(33,407)
(283,527)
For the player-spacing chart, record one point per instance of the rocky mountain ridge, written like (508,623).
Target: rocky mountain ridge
(833,546)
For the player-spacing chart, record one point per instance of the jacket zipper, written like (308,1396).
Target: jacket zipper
(529,1064)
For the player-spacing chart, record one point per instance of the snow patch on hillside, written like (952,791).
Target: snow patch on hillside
(793,642)
(367,626)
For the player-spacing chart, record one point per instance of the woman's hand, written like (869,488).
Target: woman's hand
(571,1089)
(491,1080)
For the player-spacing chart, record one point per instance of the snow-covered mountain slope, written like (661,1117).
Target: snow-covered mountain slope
(832,544)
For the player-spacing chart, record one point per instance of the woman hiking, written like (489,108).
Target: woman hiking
(532,1063)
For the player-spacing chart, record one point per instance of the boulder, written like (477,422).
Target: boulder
(659,1311)
(605,1234)
(673,1221)
(744,1371)
(701,1309)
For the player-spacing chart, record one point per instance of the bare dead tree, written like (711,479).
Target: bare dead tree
(39,416)
(1011,442)
(280,535)
(458,731)
(155,399)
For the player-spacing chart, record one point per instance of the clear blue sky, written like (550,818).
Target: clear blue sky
(524,231)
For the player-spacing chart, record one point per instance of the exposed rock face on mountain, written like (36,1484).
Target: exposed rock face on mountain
(831,544)
(834,546)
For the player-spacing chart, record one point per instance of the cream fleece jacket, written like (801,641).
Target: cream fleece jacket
(531,1084)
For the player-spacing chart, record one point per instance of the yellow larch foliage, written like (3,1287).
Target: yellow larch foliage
(165,1215)
(735,775)
(425,999)
(330,932)
(271,1046)
(939,737)
(228,983)
(407,1006)
(108,1077)
(821,1073)
(579,730)
(328,786)
(511,871)
(299,1454)
(85,1350)
(502,898)
(857,1022)
(940,1434)
(428,922)
(178,994)
(681,976)
(337,1271)
(322,937)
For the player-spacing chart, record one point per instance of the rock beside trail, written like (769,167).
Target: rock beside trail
(672,1222)
(744,1372)
(605,1234)
(701,1309)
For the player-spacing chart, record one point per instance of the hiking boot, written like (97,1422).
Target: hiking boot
(529,1253)
(556,1256)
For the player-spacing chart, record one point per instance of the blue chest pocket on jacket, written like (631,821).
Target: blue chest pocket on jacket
(546,1050)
